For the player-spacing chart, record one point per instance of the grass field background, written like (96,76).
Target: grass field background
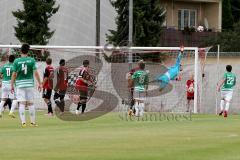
(206,137)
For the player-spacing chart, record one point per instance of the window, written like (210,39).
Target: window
(187,18)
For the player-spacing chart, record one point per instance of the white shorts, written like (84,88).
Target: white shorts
(139,110)
(139,95)
(25,94)
(226,95)
(6,92)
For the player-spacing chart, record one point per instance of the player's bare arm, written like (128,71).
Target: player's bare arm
(45,80)
(36,74)
(14,76)
(1,76)
(220,84)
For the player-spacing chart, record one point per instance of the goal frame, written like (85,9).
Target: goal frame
(195,49)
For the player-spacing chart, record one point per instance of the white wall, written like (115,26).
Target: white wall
(74,22)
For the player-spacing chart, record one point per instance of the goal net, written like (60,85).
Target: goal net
(108,69)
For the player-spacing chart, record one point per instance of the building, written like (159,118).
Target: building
(75,22)
(193,13)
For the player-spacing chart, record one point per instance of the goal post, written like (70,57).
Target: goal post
(192,50)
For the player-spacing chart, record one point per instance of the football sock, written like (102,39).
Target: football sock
(136,106)
(22,113)
(9,103)
(32,113)
(1,106)
(222,105)
(227,106)
(79,105)
(84,105)
(49,104)
(14,105)
(141,109)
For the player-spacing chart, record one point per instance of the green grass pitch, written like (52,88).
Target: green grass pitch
(206,137)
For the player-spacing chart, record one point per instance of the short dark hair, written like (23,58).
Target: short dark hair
(25,48)
(141,65)
(49,61)
(229,68)
(86,63)
(62,62)
(11,58)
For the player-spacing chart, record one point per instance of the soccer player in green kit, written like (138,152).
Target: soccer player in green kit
(140,79)
(226,87)
(24,70)
(6,73)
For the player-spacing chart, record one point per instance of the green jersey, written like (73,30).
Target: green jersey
(6,72)
(24,67)
(230,81)
(140,79)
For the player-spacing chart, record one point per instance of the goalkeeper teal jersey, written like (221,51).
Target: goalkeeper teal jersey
(140,79)
(24,67)
(230,81)
(6,72)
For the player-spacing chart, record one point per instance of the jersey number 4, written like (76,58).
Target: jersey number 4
(24,68)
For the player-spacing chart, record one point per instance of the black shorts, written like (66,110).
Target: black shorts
(83,94)
(190,98)
(47,93)
(59,94)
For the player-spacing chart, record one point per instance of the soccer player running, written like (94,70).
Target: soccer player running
(61,86)
(47,85)
(24,70)
(190,91)
(6,73)
(140,78)
(226,87)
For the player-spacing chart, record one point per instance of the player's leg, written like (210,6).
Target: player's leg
(136,107)
(62,101)
(131,111)
(228,99)
(222,102)
(21,99)
(57,101)
(136,96)
(56,97)
(1,106)
(3,99)
(189,103)
(142,98)
(30,104)
(47,93)
(141,109)
(83,102)
(22,116)
(13,106)
(9,103)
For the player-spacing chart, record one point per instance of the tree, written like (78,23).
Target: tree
(227,17)
(148,18)
(32,21)
(235,10)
